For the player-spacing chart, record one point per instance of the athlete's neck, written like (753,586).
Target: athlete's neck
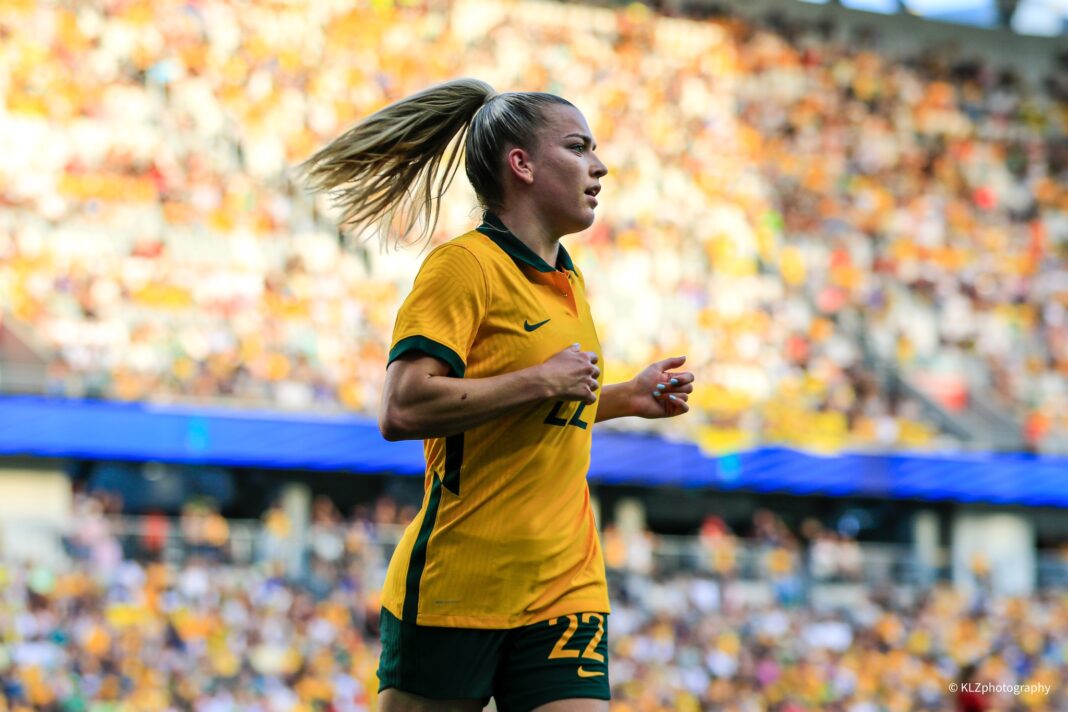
(532,232)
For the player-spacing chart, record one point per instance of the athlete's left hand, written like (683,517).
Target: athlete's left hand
(660,392)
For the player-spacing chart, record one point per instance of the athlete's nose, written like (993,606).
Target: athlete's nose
(598,169)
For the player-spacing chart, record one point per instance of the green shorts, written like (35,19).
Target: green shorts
(521,668)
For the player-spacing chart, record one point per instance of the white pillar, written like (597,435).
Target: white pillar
(1002,541)
(630,522)
(296,502)
(35,509)
(925,547)
(630,516)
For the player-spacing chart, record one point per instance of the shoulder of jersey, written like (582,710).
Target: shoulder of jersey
(474,241)
(480,246)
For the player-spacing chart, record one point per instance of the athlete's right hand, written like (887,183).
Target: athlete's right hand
(572,375)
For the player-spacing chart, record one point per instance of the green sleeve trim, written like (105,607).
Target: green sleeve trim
(431,348)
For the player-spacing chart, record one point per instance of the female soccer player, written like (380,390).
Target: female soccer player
(497,588)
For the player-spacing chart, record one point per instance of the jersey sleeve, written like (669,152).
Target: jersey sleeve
(443,312)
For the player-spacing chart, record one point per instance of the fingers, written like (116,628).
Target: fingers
(680,379)
(675,404)
(678,406)
(587,377)
(595,372)
(675,383)
(575,373)
(669,363)
(673,401)
(662,388)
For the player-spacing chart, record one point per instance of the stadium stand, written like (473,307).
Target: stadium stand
(845,235)
(191,613)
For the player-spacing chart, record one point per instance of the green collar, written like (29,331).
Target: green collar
(494,229)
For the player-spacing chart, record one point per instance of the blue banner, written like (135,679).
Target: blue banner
(222,436)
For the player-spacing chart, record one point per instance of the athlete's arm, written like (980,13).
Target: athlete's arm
(656,392)
(420,400)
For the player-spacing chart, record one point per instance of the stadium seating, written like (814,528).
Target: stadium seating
(158,614)
(160,250)
(808,206)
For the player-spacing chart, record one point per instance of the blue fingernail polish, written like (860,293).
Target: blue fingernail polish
(656,394)
(672,398)
(660,386)
(674,381)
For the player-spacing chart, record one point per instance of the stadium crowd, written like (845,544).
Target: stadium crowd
(130,630)
(808,203)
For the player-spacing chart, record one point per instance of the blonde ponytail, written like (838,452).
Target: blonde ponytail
(385,173)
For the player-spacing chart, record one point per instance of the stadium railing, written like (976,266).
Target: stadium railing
(770,570)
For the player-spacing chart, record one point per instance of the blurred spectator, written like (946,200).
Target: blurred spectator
(275,534)
(154,535)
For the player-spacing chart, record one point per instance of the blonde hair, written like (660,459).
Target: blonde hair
(386,173)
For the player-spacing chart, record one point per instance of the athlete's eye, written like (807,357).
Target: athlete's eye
(579,147)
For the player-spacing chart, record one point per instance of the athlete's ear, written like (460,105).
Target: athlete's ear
(519,165)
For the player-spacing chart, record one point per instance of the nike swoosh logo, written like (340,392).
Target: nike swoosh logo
(588,673)
(533,327)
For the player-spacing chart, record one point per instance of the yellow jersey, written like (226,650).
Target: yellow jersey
(506,535)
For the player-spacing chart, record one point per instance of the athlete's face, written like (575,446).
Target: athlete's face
(567,172)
